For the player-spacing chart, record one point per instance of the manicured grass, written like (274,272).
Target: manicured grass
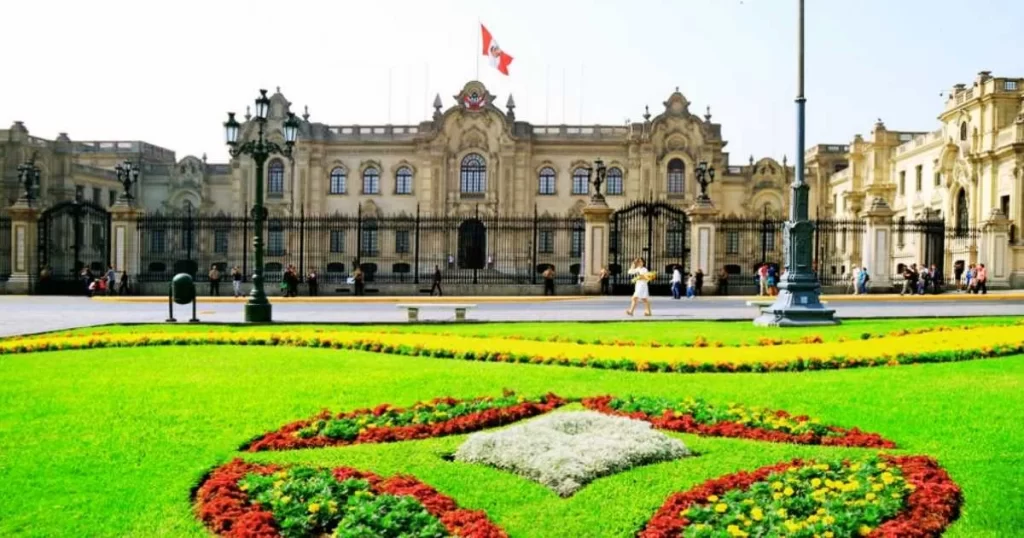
(664,332)
(108,442)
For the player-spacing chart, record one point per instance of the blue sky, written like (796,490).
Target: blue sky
(116,69)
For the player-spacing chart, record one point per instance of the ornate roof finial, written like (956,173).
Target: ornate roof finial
(305,113)
(677,89)
(751,159)
(511,106)
(278,90)
(707,116)
(437,107)
(783,159)
(204,156)
(247,114)
(647,113)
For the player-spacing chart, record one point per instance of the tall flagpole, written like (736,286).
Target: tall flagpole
(426,90)
(389,96)
(563,96)
(582,86)
(479,46)
(547,95)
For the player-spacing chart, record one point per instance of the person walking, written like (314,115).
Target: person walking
(762,279)
(111,279)
(549,280)
(969,278)
(723,282)
(958,275)
(981,280)
(313,283)
(909,280)
(862,280)
(698,282)
(214,276)
(122,285)
(641,276)
(772,281)
(360,283)
(691,287)
(436,285)
(605,277)
(676,282)
(236,281)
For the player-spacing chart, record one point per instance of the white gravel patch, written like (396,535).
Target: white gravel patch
(566,451)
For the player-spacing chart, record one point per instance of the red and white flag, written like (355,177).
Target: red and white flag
(499,58)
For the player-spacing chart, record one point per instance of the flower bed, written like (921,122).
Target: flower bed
(251,500)
(692,415)
(384,424)
(949,346)
(888,496)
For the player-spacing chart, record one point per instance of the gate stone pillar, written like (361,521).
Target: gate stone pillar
(703,226)
(877,252)
(995,248)
(24,247)
(597,230)
(125,250)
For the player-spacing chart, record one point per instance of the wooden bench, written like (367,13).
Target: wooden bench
(414,309)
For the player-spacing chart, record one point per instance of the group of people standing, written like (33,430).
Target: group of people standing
(108,283)
(974,280)
(694,283)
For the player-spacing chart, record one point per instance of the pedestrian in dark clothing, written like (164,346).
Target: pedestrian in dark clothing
(436,285)
(549,281)
(313,283)
(723,282)
(698,278)
(605,278)
(359,282)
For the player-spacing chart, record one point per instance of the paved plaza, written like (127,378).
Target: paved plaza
(21,314)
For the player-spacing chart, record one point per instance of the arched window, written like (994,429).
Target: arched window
(676,173)
(963,131)
(580,181)
(473,174)
(403,180)
(275,178)
(962,218)
(339,178)
(371,181)
(614,181)
(546,181)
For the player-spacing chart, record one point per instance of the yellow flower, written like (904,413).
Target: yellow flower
(314,508)
(828,534)
(781,512)
(286,499)
(815,482)
(864,530)
(721,507)
(776,485)
(734,530)
(757,514)
(887,478)
(788,491)
(712,498)
(870,496)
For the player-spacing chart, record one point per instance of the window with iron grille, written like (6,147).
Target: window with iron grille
(473,174)
(371,181)
(732,242)
(157,241)
(339,178)
(1010,85)
(576,245)
(337,241)
(613,180)
(275,242)
(403,181)
(674,239)
(402,241)
(546,181)
(220,241)
(546,241)
(676,175)
(275,178)
(918,177)
(370,245)
(581,181)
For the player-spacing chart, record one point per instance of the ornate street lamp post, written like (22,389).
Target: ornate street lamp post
(257,307)
(705,177)
(127,175)
(28,177)
(798,302)
(600,172)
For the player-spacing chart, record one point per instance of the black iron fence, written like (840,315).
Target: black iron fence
(392,249)
(930,243)
(5,248)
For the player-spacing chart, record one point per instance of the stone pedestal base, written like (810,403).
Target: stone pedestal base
(797,305)
(258,312)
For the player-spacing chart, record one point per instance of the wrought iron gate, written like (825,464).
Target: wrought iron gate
(654,231)
(72,236)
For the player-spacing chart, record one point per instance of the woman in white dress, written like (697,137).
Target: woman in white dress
(640,292)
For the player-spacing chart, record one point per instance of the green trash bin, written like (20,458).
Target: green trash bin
(182,291)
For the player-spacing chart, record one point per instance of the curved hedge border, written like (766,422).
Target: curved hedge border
(931,507)
(225,508)
(797,364)
(669,419)
(289,437)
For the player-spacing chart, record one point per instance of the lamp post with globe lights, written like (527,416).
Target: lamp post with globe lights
(705,177)
(29,175)
(257,307)
(127,175)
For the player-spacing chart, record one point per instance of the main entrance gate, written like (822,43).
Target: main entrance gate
(654,231)
(72,236)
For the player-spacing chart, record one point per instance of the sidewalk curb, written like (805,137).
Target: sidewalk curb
(359,300)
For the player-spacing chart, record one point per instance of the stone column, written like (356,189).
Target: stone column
(597,230)
(24,247)
(125,250)
(877,252)
(702,242)
(995,248)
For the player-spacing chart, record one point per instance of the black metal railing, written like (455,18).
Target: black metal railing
(5,248)
(391,249)
(744,244)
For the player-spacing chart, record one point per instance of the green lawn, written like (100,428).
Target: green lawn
(109,442)
(665,332)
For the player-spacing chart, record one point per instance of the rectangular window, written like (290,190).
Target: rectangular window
(546,241)
(903,182)
(337,182)
(1004,205)
(97,195)
(732,242)
(580,182)
(901,228)
(576,245)
(938,179)
(918,178)
(370,246)
(112,197)
(403,181)
(546,184)
(157,241)
(674,243)
(401,241)
(220,241)
(1010,85)
(337,241)
(371,181)
(768,240)
(275,243)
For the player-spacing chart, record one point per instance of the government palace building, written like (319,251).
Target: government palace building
(399,197)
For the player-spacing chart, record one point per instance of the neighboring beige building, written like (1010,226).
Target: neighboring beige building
(968,172)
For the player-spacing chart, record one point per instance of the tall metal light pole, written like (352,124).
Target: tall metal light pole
(28,177)
(257,307)
(798,303)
